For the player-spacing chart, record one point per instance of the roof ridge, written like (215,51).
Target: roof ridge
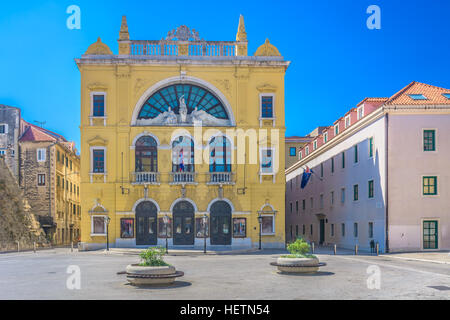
(399,93)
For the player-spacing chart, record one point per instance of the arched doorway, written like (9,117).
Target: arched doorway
(220,223)
(183,224)
(146,218)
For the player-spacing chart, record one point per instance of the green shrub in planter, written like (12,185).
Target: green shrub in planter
(299,249)
(153,257)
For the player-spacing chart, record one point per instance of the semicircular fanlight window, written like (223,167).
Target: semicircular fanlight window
(194,96)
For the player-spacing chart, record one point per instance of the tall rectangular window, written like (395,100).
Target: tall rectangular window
(41,179)
(355,192)
(336,129)
(321,201)
(371,191)
(332,165)
(296,206)
(343,160)
(342,195)
(290,206)
(98,105)
(3,128)
(304,204)
(267,107)
(370,147)
(321,170)
(332,230)
(41,155)
(370,229)
(429,140)
(98,161)
(355,148)
(429,186)
(355,230)
(332,197)
(343,229)
(325,137)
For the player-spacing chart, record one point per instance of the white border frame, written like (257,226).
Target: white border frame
(145,200)
(91,115)
(220,199)
(6,128)
(183,199)
(91,162)
(273,118)
(37,154)
(104,216)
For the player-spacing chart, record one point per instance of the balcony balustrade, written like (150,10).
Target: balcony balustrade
(183,178)
(172,48)
(146,178)
(220,178)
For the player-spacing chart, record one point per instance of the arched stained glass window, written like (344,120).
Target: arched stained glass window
(220,154)
(194,96)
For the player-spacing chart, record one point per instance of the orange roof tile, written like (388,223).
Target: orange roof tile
(32,133)
(433,94)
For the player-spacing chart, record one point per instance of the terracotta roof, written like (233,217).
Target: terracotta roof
(372,100)
(433,94)
(48,132)
(32,133)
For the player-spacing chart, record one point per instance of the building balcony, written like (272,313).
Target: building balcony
(218,178)
(146,178)
(183,178)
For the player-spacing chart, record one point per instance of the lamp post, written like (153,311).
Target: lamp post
(260,227)
(166,222)
(108,220)
(205,221)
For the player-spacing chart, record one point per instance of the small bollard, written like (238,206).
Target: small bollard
(18,246)
(335,249)
(34,247)
(312,247)
(71,246)
(356,249)
(377,248)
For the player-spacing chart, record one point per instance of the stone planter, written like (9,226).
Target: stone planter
(298,265)
(138,275)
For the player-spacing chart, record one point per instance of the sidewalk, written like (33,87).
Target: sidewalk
(435,257)
(178,252)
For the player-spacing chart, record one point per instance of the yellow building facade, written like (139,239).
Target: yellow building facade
(182,139)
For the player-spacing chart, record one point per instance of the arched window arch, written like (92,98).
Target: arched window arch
(183,154)
(146,150)
(219,154)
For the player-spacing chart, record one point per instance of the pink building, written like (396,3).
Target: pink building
(381,175)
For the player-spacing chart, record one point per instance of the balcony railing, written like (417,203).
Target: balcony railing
(146,178)
(220,178)
(183,177)
(172,48)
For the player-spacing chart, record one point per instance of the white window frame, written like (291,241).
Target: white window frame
(349,120)
(336,129)
(91,172)
(307,151)
(315,145)
(343,195)
(92,226)
(325,137)
(91,116)
(44,152)
(273,225)
(360,112)
(273,118)
(6,128)
(321,201)
(37,179)
(368,147)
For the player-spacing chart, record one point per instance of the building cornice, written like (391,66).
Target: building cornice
(187,60)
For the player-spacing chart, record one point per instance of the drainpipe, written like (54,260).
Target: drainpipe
(50,183)
(387,183)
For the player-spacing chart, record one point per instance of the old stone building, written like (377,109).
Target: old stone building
(49,169)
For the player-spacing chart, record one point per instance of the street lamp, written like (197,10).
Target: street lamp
(260,228)
(108,220)
(205,221)
(166,222)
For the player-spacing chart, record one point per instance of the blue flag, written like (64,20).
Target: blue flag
(306,176)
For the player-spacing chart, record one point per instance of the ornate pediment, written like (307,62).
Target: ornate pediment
(266,87)
(97,86)
(97,141)
(183,33)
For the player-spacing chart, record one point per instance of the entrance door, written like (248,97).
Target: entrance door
(322,231)
(220,223)
(183,224)
(430,235)
(146,215)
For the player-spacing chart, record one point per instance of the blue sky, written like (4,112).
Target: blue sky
(336,60)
